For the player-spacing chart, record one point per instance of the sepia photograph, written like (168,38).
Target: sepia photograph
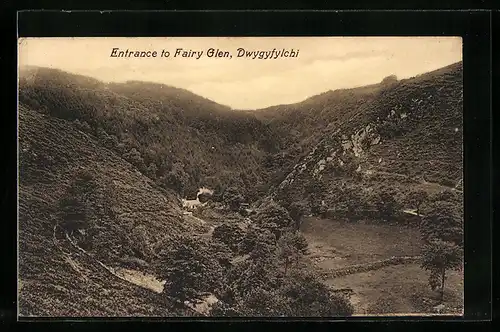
(240,177)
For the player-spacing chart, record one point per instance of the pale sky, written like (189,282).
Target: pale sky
(322,64)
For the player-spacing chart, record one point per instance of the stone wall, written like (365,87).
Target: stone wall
(336,273)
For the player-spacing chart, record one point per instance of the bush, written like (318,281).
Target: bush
(270,214)
(387,205)
(296,211)
(444,222)
(232,198)
(444,195)
(416,198)
(290,246)
(438,257)
(389,80)
(253,288)
(190,269)
(255,237)
(310,297)
(229,234)
(176,179)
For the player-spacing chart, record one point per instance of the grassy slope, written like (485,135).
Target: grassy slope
(418,122)
(430,141)
(53,283)
(401,290)
(300,127)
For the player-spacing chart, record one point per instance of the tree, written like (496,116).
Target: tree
(310,297)
(230,234)
(258,269)
(442,233)
(386,204)
(286,250)
(189,269)
(391,79)
(350,198)
(416,198)
(176,179)
(296,212)
(290,193)
(442,222)
(272,213)
(316,190)
(221,253)
(291,245)
(261,302)
(254,286)
(300,243)
(254,237)
(232,198)
(437,257)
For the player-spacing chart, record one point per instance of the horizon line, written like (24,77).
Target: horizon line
(221,104)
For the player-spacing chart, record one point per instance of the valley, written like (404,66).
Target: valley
(142,199)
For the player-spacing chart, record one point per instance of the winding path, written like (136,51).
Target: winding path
(112,271)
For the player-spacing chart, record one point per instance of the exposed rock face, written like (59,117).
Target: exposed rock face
(410,129)
(361,140)
(355,144)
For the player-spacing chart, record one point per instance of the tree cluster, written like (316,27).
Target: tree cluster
(253,271)
(442,235)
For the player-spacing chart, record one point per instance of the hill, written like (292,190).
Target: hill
(98,238)
(179,139)
(102,234)
(408,131)
(72,188)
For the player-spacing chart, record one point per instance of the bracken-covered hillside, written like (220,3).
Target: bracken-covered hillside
(70,187)
(408,131)
(179,139)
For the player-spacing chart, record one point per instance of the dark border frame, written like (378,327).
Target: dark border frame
(473,26)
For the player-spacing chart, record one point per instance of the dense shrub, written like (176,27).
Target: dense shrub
(387,204)
(189,269)
(443,221)
(273,216)
(230,234)
(232,198)
(416,198)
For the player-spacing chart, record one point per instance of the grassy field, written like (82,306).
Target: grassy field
(346,243)
(400,289)
(388,290)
